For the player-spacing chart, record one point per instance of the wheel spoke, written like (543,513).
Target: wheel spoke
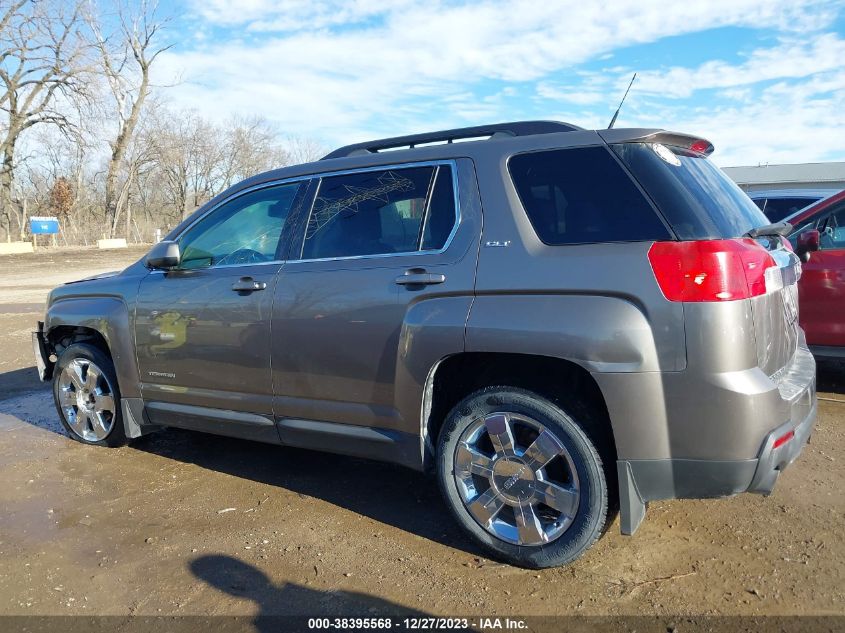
(104,403)
(528,525)
(486,507)
(469,460)
(542,450)
(499,430)
(74,372)
(564,500)
(79,421)
(99,425)
(67,398)
(91,377)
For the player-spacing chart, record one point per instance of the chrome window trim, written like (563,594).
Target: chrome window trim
(235,196)
(278,262)
(430,163)
(238,194)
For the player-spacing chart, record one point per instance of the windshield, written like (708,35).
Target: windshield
(697,199)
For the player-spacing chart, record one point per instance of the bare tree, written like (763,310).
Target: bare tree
(125,60)
(43,60)
(303,149)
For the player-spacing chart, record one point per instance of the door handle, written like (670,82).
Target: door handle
(418,277)
(248,284)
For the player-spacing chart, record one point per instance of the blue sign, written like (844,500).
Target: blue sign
(44,226)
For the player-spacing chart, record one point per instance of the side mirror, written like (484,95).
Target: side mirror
(163,256)
(808,241)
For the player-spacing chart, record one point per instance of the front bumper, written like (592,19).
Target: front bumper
(43,364)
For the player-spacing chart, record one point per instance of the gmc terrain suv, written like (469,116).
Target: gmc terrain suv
(558,322)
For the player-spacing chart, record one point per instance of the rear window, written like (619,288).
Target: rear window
(582,195)
(695,196)
(776,209)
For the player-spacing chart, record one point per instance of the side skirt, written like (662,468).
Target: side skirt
(380,444)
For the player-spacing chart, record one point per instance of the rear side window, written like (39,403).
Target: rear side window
(381,212)
(695,196)
(581,196)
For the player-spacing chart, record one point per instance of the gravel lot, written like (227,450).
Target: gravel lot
(183,523)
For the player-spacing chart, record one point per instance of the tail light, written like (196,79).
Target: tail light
(712,270)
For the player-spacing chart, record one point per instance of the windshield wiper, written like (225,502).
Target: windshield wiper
(778,228)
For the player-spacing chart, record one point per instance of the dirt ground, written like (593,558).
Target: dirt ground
(183,523)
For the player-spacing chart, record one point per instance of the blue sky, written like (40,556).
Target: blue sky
(763,80)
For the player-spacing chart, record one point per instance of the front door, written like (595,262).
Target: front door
(822,285)
(202,330)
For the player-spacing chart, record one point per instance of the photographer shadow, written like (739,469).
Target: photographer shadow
(286,607)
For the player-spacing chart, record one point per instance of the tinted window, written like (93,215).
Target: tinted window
(379,212)
(582,195)
(441,211)
(832,230)
(695,196)
(776,209)
(246,230)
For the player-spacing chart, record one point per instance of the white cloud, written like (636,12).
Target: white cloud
(343,71)
(793,58)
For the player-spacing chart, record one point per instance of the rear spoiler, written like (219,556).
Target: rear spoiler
(645,135)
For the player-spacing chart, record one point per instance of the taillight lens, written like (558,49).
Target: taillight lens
(710,270)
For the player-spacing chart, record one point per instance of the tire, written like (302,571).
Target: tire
(87,396)
(500,497)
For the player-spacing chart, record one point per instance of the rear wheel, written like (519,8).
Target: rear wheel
(87,396)
(522,478)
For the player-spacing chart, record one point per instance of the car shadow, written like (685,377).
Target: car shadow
(830,376)
(276,604)
(18,381)
(390,494)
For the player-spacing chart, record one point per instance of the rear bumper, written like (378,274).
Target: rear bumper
(643,480)
(774,459)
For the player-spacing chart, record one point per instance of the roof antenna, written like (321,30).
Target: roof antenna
(616,114)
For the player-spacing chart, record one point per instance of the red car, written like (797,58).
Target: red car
(820,234)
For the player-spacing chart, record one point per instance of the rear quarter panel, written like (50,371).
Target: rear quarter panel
(597,305)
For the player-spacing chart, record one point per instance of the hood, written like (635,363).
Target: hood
(93,277)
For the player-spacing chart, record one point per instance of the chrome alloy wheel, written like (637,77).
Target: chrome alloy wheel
(86,399)
(516,479)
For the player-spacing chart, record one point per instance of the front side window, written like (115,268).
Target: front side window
(832,231)
(381,212)
(581,196)
(246,230)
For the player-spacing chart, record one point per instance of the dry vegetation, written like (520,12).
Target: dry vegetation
(87,136)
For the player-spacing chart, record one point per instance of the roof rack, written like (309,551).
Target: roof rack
(495,130)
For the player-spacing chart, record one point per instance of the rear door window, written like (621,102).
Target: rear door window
(695,196)
(582,195)
(381,212)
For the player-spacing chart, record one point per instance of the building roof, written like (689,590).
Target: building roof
(801,172)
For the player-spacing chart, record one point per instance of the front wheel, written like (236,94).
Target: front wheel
(522,478)
(87,396)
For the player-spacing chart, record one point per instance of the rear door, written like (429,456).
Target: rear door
(822,286)
(376,242)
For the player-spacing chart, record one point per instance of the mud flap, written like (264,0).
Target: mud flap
(631,505)
(135,423)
